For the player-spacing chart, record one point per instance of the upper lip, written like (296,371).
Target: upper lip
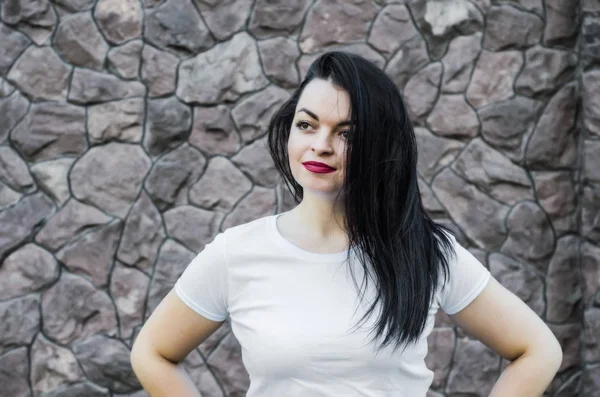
(318,164)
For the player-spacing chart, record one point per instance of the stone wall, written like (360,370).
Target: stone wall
(131,132)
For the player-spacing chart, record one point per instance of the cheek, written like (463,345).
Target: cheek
(295,146)
(291,148)
(294,154)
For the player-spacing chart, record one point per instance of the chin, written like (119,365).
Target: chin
(326,185)
(321,190)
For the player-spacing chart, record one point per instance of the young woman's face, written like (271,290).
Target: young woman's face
(318,134)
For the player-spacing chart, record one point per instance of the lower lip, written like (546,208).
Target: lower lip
(318,170)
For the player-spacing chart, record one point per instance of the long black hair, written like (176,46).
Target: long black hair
(386,222)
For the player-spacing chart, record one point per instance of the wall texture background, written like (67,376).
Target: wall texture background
(131,132)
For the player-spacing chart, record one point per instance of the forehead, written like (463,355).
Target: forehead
(329,102)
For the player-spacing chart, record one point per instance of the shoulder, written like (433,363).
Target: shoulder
(450,247)
(467,277)
(247,230)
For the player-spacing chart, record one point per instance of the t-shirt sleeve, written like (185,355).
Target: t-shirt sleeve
(468,278)
(203,284)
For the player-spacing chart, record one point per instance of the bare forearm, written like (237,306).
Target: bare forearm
(161,378)
(527,376)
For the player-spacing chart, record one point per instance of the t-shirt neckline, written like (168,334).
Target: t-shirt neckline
(299,252)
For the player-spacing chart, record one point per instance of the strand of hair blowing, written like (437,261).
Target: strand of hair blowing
(397,243)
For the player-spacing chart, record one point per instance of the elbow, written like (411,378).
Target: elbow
(554,351)
(138,356)
(144,357)
(557,355)
(549,351)
(133,357)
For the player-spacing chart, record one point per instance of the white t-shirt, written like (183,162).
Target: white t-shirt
(293,311)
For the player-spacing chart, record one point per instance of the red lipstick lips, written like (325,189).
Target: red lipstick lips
(316,167)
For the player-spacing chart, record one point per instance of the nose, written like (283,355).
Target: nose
(322,142)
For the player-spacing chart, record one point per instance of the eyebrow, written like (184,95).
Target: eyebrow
(314,116)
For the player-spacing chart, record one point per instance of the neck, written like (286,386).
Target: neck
(320,216)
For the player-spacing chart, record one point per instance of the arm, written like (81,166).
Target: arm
(505,324)
(170,334)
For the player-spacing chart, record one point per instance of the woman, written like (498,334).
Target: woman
(346,148)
